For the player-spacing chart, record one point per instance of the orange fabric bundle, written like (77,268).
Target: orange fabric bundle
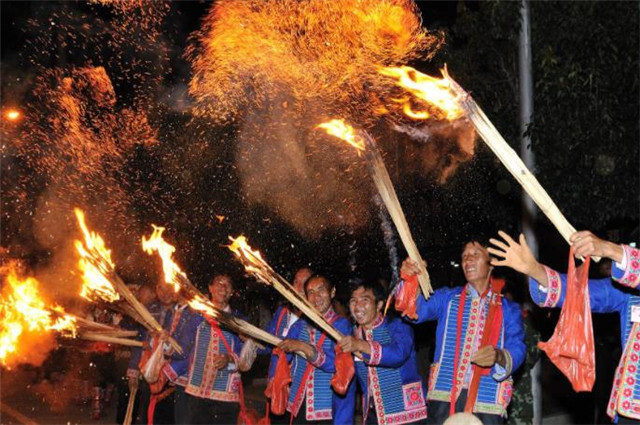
(344,371)
(406,297)
(571,346)
(278,388)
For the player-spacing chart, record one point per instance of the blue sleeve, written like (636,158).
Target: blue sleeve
(344,406)
(395,353)
(434,307)
(513,340)
(603,296)
(271,328)
(187,335)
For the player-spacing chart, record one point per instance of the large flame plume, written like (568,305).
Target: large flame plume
(155,243)
(434,95)
(25,317)
(95,264)
(251,51)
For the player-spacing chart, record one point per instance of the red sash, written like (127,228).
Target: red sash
(491,335)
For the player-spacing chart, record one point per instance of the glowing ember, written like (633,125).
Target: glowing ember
(434,94)
(23,312)
(12,114)
(165,250)
(95,264)
(343,131)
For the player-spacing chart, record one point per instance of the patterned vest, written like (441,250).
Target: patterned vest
(205,381)
(493,396)
(317,385)
(395,401)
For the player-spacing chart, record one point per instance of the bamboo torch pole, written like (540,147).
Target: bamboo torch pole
(512,161)
(261,270)
(385,187)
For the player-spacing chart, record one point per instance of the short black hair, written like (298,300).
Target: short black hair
(228,276)
(482,241)
(374,286)
(317,276)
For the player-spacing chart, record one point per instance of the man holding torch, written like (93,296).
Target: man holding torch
(280,325)
(156,400)
(479,341)
(392,388)
(213,380)
(548,288)
(311,398)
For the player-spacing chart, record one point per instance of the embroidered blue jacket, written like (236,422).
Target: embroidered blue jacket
(158,311)
(181,323)
(494,393)
(322,402)
(389,376)
(202,379)
(606,298)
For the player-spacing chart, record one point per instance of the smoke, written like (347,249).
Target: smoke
(284,166)
(389,236)
(279,68)
(441,149)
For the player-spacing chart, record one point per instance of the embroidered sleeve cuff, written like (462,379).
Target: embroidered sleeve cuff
(628,273)
(501,373)
(169,372)
(376,353)
(319,358)
(133,373)
(549,296)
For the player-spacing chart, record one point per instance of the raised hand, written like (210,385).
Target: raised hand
(517,256)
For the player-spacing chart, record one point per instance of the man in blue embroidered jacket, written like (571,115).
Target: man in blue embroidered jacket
(280,324)
(311,398)
(160,309)
(212,377)
(548,289)
(181,324)
(461,315)
(392,388)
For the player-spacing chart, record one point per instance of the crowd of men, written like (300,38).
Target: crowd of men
(479,344)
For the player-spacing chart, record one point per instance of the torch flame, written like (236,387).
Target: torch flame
(250,258)
(12,114)
(343,131)
(95,264)
(165,250)
(433,93)
(22,311)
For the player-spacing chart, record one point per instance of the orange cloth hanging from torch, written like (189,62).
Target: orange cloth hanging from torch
(571,346)
(278,388)
(407,295)
(344,371)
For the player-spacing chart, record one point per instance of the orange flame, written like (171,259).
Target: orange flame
(250,258)
(435,94)
(95,264)
(343,131)
(165,251)
(22,311)
(12,114)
